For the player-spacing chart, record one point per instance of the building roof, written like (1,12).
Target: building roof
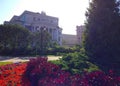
(14,18)
(38,14)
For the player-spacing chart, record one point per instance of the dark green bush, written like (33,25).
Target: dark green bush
(75,63)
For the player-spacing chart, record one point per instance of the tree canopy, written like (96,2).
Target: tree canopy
(102,42)
(17,40)
(13,37)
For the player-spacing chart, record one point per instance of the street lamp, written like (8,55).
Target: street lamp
(42,29)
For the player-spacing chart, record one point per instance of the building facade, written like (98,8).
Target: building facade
(79,31)
(69,40)
(35,21)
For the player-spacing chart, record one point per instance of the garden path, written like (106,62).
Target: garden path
(24,59)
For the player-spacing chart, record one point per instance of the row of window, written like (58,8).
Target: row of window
(37,28)
(44,20)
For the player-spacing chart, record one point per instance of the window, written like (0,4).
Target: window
(51,21)
(37,28)
(38,19)
(34,18)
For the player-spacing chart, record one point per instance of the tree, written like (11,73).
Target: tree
(46,40)
(13,38)
(20,37)
(41,41)
(102,42)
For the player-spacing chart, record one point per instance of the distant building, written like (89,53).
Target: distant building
(34,21)
(69,40)
(80,30)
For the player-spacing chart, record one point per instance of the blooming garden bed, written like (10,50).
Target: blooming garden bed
(11,74)
(40,72)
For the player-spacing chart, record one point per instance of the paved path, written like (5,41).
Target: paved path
(23,59)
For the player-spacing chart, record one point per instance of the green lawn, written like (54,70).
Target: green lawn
(4,63)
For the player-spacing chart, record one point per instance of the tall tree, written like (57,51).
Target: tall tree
(41,40)
(102,42)
(13,37)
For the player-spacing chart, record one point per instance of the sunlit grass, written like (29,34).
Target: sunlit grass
(5,63)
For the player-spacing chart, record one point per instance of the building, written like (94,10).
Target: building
(80,30)
(34,21)
(69,40)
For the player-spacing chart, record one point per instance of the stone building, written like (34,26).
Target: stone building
(69,40)
(34,21)
(80,30)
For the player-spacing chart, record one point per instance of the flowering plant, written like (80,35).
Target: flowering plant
(40,72)
(10,75)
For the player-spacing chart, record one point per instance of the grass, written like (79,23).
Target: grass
(5,63)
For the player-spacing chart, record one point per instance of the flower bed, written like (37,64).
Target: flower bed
(10,75)
(40,72)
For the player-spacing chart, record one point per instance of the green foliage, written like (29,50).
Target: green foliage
(57,50)
(40,41)
(75,63)
(60,50)
(13,38)
(58,62)
(17,40)
(102,42)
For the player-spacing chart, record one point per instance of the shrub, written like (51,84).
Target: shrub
(39,72)
(99,78)
(75,63)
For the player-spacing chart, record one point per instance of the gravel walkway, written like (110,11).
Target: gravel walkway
(23,59)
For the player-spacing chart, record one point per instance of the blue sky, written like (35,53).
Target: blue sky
(70,12)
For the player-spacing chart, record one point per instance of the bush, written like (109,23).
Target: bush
(39,72)
(75,63)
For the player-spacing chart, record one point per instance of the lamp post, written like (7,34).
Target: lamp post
(42,29)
